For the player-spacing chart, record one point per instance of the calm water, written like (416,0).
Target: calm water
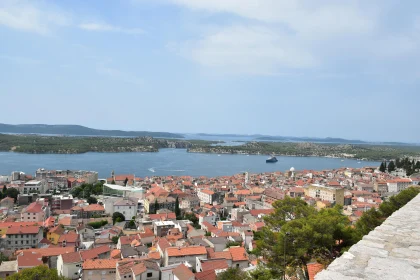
(166,162)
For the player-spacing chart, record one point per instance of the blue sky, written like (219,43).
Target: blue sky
(304,68)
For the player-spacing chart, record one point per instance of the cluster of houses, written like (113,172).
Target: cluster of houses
(213,230)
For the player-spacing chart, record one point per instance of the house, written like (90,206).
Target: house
(69,265)
(23,237)
(206,196)
(87,212)
(399,184)
(210,217)
(127,207)
(35,212)
(184,254)
(87,233)
(99,269)
(332,194)
(7,202)
(34,186)
(69,240)
(189,202)
(183,273)
(162,202)
(28,260)
(61,202)
(138,270)
(50,255)
(54,234)
(161,228)
(211,264)
(8,268)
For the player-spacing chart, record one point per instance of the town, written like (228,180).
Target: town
(166,227)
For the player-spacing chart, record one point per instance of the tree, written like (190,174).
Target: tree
(233,274)
(92,200)
(13,193)
(117,216)
(177,209)
(37,272)
(156,208)
(382,167)
(115,239)
(125,181)
(232,244)
(391,166)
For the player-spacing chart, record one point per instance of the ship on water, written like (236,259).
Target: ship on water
(272,159)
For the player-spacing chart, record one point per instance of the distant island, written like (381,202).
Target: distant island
(78,130)
(42,144)
(305,149)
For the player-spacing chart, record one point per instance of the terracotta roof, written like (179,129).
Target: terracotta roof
(69,237)
(28,259)
(73,257)
(209,192)
(34,207)
(222,255)
(183,273)
(57,230)
(206,275)
(186,251)
(139,269)
(115,254)
(214,264)
(99,264)
(163,244)
(93,253)
(93,207)
(23,230)
(50,251)
(238,254)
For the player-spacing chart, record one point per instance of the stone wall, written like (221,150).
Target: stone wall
(390,252)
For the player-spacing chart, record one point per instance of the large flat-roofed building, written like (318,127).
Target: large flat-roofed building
(121,191)
(334,195)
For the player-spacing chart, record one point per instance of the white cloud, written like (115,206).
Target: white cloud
(302,16)
(250,49)
(27,16)
(104,27)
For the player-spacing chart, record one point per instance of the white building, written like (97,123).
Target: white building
(23,237)
(206,196)
(398,185)
(69,265)
(127,207)
(184,254)
(35,187)
(35,212)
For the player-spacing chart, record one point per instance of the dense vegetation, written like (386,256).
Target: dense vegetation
(296,233)
(367,152)
(40,272)
(410,166)
(78,130)
(9,192)
(98,224)
(86,190)
(73,145)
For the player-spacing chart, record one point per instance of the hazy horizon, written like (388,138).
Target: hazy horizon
(282,68)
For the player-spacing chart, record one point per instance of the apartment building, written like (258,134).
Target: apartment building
(23,237)
(327,193)
(206,196)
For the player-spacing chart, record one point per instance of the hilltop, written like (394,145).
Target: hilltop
(78,130)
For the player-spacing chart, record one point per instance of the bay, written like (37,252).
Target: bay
(176,162)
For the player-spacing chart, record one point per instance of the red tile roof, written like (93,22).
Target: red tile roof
(238,254)
(50,251)
(34,207)
(73,257)
(206,275)
(23,230)
(186,251)
(214,264)
(69,238)
(313,269)
(99,264)
(28,259)
(183,273)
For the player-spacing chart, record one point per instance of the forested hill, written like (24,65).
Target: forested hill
(78,130)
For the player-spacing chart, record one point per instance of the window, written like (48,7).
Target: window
(21,236)
(27,242)
(15,242)
(149,274)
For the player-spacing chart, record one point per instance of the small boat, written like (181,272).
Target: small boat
(271,160)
